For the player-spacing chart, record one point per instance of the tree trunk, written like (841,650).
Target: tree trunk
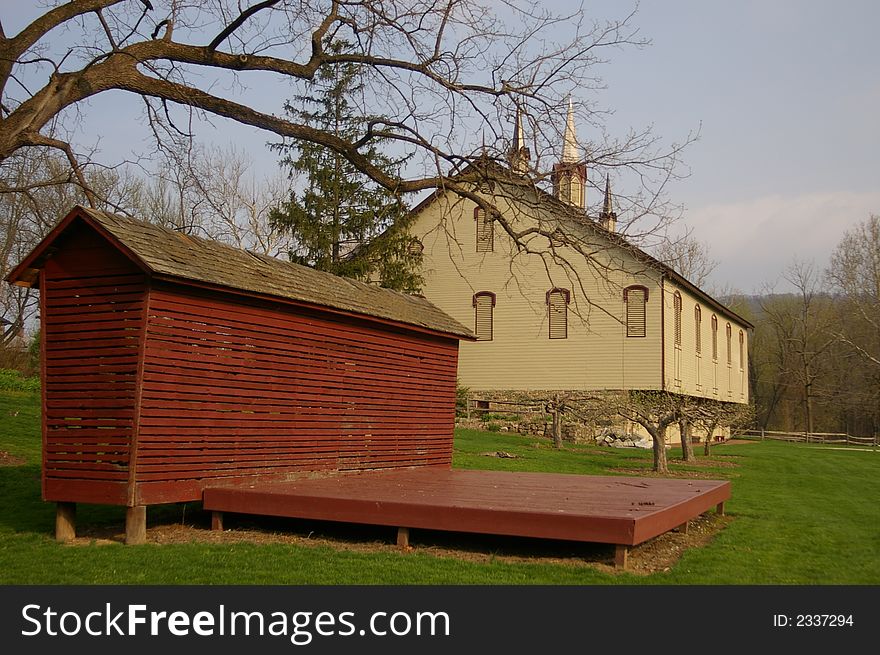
(659,437)
(687,450)
(709,432)
(557,423)
(808,407)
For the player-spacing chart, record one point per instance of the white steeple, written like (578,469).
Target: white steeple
(570,174)
(519,154)
(570,152)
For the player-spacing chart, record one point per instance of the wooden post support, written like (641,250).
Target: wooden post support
(217,521)
(719,509)
(683,528)
(621,551)
(136,525)
(65,521)
(403,537)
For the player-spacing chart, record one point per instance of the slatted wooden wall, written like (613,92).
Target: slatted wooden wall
(235,388)
(92,302)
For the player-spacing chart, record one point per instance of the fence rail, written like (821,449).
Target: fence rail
(810,437)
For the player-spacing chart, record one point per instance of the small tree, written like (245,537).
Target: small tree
(342,221)
(653,410)
(684,429)
(713,413)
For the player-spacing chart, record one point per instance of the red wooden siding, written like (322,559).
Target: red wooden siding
(236,388)
(92,311)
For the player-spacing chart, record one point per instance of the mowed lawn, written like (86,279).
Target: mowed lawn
(800,515)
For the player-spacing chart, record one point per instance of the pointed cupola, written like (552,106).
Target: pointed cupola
(608,217)
(518,156)
(570,174)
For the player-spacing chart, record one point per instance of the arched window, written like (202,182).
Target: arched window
(485,230)
(676,309)
(714,337)
(742,350)
(698,329)
(729,332)
(484,307)
(415,247)
(635,297)
(557,312)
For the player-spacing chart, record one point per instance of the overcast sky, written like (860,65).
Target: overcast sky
(785,95)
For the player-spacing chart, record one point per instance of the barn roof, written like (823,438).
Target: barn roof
(174,255)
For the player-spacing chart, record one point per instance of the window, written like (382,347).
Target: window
(635,297)
(485,230)
(729,341)
(565,187)
(415,247)
(714,337)
(557,312)
(742,350)
(676,307)
(557,238)
(484,306)
(698,329)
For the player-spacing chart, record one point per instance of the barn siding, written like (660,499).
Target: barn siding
(732,381)
(595,355)
(92,304)
(239,388)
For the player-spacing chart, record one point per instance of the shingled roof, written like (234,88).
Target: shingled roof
(169,254)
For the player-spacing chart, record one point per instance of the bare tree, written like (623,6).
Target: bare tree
(712,414)
(211,192)
(685,424)
(653,410)
(854,273)
(26,217)
(802,325)
(689,257)
(439,72)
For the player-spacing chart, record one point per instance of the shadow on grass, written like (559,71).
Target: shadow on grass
(466,546)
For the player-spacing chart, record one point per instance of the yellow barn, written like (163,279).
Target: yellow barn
(549,318)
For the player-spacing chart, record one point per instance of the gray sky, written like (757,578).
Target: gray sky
(785,94)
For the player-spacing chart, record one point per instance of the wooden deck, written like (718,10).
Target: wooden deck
(625,511)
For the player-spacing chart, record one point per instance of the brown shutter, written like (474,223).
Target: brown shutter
(557,309)
(484,303)
(729,349)
(635,311)
(698,329)
(676,303)
(742,358)
(714,337)
(485,230)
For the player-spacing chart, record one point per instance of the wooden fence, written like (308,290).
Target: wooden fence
(810,437)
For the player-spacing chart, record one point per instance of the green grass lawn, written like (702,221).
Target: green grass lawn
(800,516)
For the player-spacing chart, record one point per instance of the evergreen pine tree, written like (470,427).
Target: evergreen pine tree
(343,222)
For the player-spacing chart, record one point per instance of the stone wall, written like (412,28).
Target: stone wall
(527,412)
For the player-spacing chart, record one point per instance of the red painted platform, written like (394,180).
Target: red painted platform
(616,510)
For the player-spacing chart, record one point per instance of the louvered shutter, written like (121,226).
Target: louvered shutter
(485,231)
(557,308)
(676,306)
(729,348)
(714,338)
(635,312)
(483,309)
